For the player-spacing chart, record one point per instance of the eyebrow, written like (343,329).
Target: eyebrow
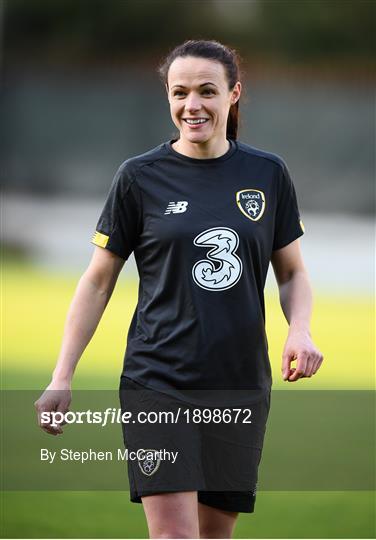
(203,84)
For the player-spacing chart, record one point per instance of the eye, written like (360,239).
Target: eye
(208,91)
(178,93)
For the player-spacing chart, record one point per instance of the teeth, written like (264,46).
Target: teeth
(198,121)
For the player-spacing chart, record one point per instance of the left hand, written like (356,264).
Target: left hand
(299,347)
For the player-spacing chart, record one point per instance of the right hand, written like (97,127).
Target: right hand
(56,398)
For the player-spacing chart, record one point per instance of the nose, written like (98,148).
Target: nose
(193,102)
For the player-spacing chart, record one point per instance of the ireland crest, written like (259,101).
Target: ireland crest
(251,203)
(149,462)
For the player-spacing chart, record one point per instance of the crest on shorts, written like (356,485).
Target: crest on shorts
(251,203)
(150,461)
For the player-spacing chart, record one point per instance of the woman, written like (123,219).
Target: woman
(204,215)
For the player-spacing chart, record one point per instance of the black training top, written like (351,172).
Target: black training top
(202,232)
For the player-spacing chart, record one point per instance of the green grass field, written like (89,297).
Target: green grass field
(34,308)
(107,514)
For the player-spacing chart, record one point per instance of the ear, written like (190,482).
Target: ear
(236,92)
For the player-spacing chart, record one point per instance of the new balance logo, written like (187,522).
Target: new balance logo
(176,207)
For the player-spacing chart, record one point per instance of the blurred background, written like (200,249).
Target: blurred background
(79,95)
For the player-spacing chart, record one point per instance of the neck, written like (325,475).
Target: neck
(206,150)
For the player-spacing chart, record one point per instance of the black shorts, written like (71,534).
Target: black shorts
(198,450)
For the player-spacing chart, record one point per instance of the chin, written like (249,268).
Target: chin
(198,138)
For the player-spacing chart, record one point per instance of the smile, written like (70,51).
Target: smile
(194,121)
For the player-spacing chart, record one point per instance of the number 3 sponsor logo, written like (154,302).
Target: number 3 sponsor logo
(222,268)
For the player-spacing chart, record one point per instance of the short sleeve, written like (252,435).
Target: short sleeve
(288,224)
(119,225)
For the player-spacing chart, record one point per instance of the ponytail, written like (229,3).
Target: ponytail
(232,122)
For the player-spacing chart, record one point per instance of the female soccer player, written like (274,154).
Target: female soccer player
(204,215)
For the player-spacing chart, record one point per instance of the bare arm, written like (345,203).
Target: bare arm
(90,299)
(296,301)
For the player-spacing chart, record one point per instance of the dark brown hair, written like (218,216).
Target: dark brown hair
(212,50)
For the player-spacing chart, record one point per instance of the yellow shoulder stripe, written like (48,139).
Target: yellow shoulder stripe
(100,239)
(302,225)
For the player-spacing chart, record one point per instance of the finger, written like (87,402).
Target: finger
(46,424)
(286,362)
(314,365)
(52,430)
(318,363)
(63,404)
(296,374)
(311,363)
(63,408)
(41,421)
(300,367)
(48,427)
(291,372)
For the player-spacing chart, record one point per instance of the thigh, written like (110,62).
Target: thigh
(216,523)
(172,515)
